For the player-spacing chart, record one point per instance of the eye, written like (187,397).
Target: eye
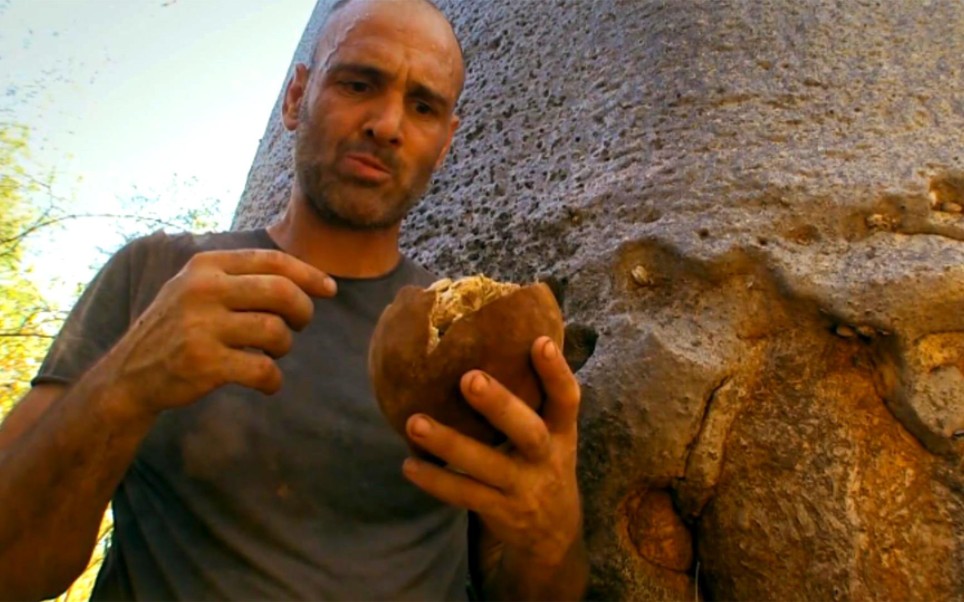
(423,108)
(356,87)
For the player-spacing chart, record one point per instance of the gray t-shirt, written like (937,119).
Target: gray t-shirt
(247,496)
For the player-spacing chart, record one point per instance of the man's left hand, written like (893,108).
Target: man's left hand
(527,498)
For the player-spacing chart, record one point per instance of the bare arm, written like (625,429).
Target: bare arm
(63,452)
(56,479)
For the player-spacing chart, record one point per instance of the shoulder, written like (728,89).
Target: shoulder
(189,242)
(161,250)
(234,239)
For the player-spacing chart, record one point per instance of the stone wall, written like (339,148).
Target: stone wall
(751,211)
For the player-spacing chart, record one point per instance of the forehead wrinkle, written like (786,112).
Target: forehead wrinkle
(425,75)
(338,30)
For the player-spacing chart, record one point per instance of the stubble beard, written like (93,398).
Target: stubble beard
(340,202)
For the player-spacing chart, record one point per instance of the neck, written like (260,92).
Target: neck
(333,250)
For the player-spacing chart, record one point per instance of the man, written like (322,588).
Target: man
(248,461)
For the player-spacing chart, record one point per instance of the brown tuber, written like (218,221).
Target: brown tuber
(426,339)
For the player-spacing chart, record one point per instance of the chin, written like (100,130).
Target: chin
(350,218)
(360,207)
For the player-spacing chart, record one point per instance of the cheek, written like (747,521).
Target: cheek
(326,148)
(433,146)
(329,128)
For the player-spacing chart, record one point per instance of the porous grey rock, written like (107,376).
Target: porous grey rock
(755,207)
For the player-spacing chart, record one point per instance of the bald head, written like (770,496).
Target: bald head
(342,13)
(339,4)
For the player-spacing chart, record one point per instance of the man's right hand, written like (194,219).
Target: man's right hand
(224,318)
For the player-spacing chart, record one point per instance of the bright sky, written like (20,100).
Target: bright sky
(165,98)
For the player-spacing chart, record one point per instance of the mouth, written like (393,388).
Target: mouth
(366,167)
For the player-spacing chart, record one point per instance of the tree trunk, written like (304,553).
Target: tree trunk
(752,214)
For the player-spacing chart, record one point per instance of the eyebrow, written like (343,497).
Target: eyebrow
(419,90)
(424,92)
(359,69)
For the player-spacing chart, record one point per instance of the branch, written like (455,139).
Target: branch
(10,334)
(45,221)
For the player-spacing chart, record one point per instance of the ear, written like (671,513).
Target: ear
(453,125)
(295,93)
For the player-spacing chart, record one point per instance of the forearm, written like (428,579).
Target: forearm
(56,481)
(517,577)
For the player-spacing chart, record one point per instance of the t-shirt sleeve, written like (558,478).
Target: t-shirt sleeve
(98,320)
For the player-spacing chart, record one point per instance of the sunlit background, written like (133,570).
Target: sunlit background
(118,117)
(158,100)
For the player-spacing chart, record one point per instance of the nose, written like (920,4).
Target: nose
(384,123)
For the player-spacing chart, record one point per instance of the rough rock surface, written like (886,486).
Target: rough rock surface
(756,208)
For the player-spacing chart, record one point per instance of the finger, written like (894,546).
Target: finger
(252,369)
(260,330)
(267,261)
(451,488)
(506,412)
(269,293)
(479,461)
(561,409)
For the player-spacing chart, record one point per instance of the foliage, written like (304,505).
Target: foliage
(29,210)
(32,216)
(28,322)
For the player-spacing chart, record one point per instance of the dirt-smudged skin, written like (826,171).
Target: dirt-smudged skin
(428,338)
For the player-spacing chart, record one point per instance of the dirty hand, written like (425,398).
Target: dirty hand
(528,498)
(222,319)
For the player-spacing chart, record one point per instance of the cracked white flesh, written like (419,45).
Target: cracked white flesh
(456,298)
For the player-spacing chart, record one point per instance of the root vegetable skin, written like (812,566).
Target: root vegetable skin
(491,327)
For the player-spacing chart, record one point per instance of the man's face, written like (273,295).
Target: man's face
(376,118)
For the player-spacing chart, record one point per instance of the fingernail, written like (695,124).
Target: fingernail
(479,383)
(549,350)
(410,465)
(331,285)
(420,426)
